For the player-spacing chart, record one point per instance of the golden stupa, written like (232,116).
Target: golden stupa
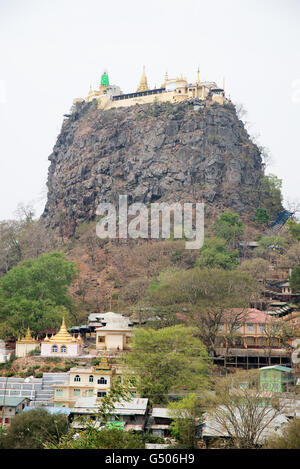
(63,336)
(143,83)
(28,339)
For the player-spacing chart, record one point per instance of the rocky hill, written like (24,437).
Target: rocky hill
(193,151)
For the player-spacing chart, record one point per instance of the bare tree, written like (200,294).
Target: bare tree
(240,410)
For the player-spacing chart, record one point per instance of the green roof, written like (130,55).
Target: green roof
(104,79)
(115,424)
(11,401)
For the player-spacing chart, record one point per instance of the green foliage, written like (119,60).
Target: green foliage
(229,227)
(197,289)
(187,414)
(113,438)
(165,360)
(295,280)
(294,229)
(35,294)
(270,194)
(206,295)
(262,216)
(290,438)
(270,246)
(32,429)
(214,254)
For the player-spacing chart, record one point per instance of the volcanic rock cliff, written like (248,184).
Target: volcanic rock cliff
(193,151)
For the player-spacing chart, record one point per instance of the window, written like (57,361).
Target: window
(221,327)
(63,349)
(76,392)
(101,394)
(90,393)
(59,392)
(54,348)
(250,327)
(101,338)
(261,328)
(102,380)
(77,378)
(91,379)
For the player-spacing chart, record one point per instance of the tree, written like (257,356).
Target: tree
(240,410)
(32,429)
(214,254)
(165,360)
(294,229)
(262,216)
(279,332)
(229,227)
(295,279)
(270,194)
(270,247)
(33,293)
(106,438)
(292,256)
(205,295)
(289,439)
(187,414)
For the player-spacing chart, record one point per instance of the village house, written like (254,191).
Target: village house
(114,332)
(276,378)
(159,422)
(128,415)
(10,407)
(251,330)
(253,341)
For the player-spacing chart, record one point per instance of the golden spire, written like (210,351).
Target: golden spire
(63,336)
(163,85)
(143,83)
(28,338)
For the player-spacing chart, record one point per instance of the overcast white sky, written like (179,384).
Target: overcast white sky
(52,50)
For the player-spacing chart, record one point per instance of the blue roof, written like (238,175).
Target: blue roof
(51,410)
(277,367)
(11,401)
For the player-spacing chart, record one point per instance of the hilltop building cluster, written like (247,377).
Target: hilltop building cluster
(174,90)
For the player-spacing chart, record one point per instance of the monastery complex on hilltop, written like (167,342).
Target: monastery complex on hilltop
(174,90)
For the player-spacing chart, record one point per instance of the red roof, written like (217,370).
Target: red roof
(251,315)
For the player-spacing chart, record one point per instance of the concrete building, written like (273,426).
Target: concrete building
(40,391)
(26,344)
(10,407)
(62,344)
(84,382)
(129,415)
(114,333)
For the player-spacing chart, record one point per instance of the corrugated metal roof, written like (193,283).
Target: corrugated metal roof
(91,404)
(277,367)
(10,401)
